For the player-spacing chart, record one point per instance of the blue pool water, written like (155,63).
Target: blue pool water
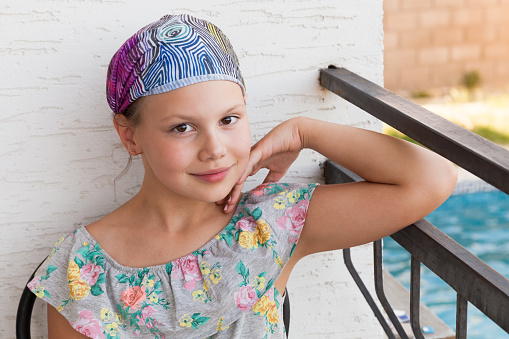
(480,223)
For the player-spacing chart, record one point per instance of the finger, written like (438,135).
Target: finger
(234,196)
(222,201)
(252,166)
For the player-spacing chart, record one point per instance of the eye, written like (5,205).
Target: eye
(229,120)
(182,128)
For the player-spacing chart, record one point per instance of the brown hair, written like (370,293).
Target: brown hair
(133,116)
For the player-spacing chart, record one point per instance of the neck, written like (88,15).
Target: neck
(163,209)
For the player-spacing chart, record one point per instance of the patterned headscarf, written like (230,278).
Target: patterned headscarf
(173,52)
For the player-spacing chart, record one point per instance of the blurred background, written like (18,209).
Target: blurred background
(452,57)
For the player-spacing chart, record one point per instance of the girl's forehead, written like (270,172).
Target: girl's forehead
(199,100)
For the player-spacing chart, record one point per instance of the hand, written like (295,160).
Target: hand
(276,151)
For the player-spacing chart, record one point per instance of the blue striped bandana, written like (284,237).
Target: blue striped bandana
(173,52)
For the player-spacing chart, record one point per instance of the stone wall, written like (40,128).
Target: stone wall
(433,43)
(60,152)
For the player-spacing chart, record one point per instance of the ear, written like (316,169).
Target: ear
(126,134)
(245,98)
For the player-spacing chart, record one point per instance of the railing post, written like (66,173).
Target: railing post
(415,296)
(461,317)
(379,287)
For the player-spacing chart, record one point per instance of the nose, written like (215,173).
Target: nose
(213,147)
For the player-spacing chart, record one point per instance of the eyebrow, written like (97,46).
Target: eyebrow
(188,117)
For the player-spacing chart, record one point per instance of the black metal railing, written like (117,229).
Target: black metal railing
(470,277)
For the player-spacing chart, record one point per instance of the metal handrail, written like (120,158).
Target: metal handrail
(471,278)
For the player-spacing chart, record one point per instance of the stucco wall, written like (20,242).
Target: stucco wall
(433,43)
(60,153)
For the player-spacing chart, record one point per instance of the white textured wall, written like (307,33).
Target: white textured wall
(60,153)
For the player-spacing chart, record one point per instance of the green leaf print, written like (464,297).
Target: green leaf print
(157,285)
(46,294)
(78,262)
(201,320)
(169,267)
(122,278)
(293,249)
(241,269)
(257,213)
(228,237)
(96,290)
(83,251)
(269,284)
(50,269)
(131,280)
(261,275)
(101,279)
(137,282)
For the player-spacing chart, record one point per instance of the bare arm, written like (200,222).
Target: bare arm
(404,182)
(59,327)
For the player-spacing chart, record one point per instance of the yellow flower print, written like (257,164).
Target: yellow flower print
(262,305)
(118,318)
(205,285)
(259,283)
(279,261)
(205,268)
(39,291)
(262,232)
(146,282)
(247,239)
(186,321)
(106,314)
(218,236)
(293,196)
(79,289)
(215,276)
(59,241)
(153,297)
(220,325)
(279,203)
(112,327)
(73,271)
(199,295)
(85,243)
(272,315)
(60,308)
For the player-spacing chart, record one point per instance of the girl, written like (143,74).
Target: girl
(190,256)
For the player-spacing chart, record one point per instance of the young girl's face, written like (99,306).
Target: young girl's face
(195,141)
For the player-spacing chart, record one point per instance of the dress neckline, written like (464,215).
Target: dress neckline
(159,267)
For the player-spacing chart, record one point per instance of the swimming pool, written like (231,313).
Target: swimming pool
(480,223)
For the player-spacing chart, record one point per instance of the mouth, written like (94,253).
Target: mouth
(214,175)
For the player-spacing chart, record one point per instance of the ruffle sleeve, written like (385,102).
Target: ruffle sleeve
(199,295)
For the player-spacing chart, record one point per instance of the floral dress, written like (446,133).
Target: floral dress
(225,289)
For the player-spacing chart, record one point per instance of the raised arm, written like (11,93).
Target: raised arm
(404,182)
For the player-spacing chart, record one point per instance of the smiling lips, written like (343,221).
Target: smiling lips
(214,175)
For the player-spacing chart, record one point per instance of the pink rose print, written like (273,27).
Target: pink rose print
(90,273)
(246,297)
(187,268)
(147,312)
(293,220)
(247,224)
(32,285)
(132,297)
(88,326)
(258,190)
